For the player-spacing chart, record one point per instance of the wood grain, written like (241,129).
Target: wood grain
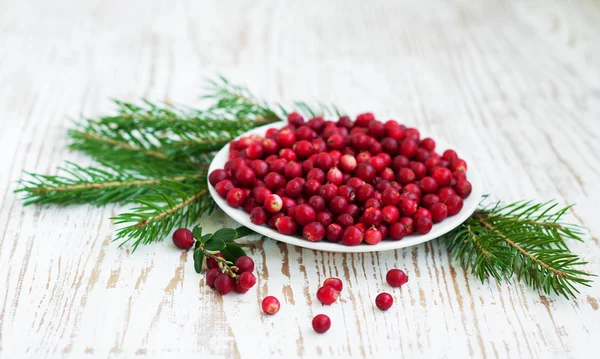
(515,84)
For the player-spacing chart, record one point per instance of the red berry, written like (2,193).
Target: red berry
(338,205)
(458,165)
(217,176)
(439,212)
(254,151)
(311,187)
(408,223)
(334,232)
(236,197)
(422,212)
(321,323)
(372,217)
(324,161)
(428,144)
(408,148)
(396,277)
(423,224)
(247,280)
(352,236)
(295,119)
(327,295)
(442,176)
(286,225)
(445,192)
(335,141)
(316,174)
(335,176)
(270,305)
(419,169)
(211,262)
(364,192)
(325,218)
(224,283)
(223,187)
(244,264)
(449,155)
(390,214)
(317,203)
(328,191)
(428,185)
(366,172)
(390,196)
(463,188)
(407,206)
(345,220)
(364,119)
(273,203)
(405,176)
(348,163)
(183,238)
(304,214)
(303,149)
(429,199)
(286,138)
(397,231)
(258,216)
(373,236)
(313,231)
(334,283)
(274,181)
(260,194)
(454,204)
(211,275)
(384,301)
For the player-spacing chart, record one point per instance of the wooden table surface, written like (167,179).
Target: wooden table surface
(516,85)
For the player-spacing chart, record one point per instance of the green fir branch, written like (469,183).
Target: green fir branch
(523,240)
(158,212)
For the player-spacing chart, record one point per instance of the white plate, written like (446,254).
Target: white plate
(470,204)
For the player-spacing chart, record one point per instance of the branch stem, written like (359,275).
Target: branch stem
(144,222)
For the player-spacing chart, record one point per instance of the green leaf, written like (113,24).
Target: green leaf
(232,252)
(243,232)
(197,231)
(225,234)
(198,258)
(206,237)
(214,244)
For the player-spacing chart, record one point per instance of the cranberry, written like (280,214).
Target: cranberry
(445,192)
(400,162)
(442,176)
(224,283)
(364,192)
(274,181)
(355,182)
(414,188)
(422,212)
(428,185)
(364,119)
(334,283)
(292,170)
(352,236)
(413,133)
(395,132)
(388,174)
(347,192)
(273,220)
(327,295)
(236,197)
(278,165)
(246,280)
(294,187)
(286,225)
(259,216)
(366,172)
(334,232)
(422,155)
(429,199)
(463,188)
(244,264)
(390,214)
(405,176)
(311,187)
(328,191)
(348,163)
(458,165)
(397,231)
(325,218)
(454,204)
(373,236)
(270,146)
(211,262)
(449,155)
(260,168)
(344,220)
(295,119)
(418,168)
(372,216)
(183,238)
(217,176)
(270,305)
(316,174)
(335,176)
(317,203)
(390,196)
(423,224)
(353,210)
(319,145)
(384,301)
(408,223)
(428,144)
(338,205)
(439,212)
(408,148)
(273,203)
(211,275)
(254,151)
(407,206)
(324,161)
(223,187)
(335,141)
(303,149)
(396,277)
(313,231)
(373,203)
(286,138)
(321,323)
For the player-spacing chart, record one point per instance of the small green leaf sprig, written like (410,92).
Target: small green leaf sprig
(222,241)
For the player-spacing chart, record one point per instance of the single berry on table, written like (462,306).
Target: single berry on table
(327,295)
(270,305)
(384,301)
(321,323)
(396,277)
(183,238)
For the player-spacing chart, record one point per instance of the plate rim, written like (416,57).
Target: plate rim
(240,216)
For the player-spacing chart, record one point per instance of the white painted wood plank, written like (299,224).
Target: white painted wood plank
(516,85)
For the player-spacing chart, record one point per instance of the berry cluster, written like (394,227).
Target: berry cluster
(344,181)
(239,278)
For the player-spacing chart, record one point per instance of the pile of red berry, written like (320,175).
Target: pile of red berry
(344,181)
